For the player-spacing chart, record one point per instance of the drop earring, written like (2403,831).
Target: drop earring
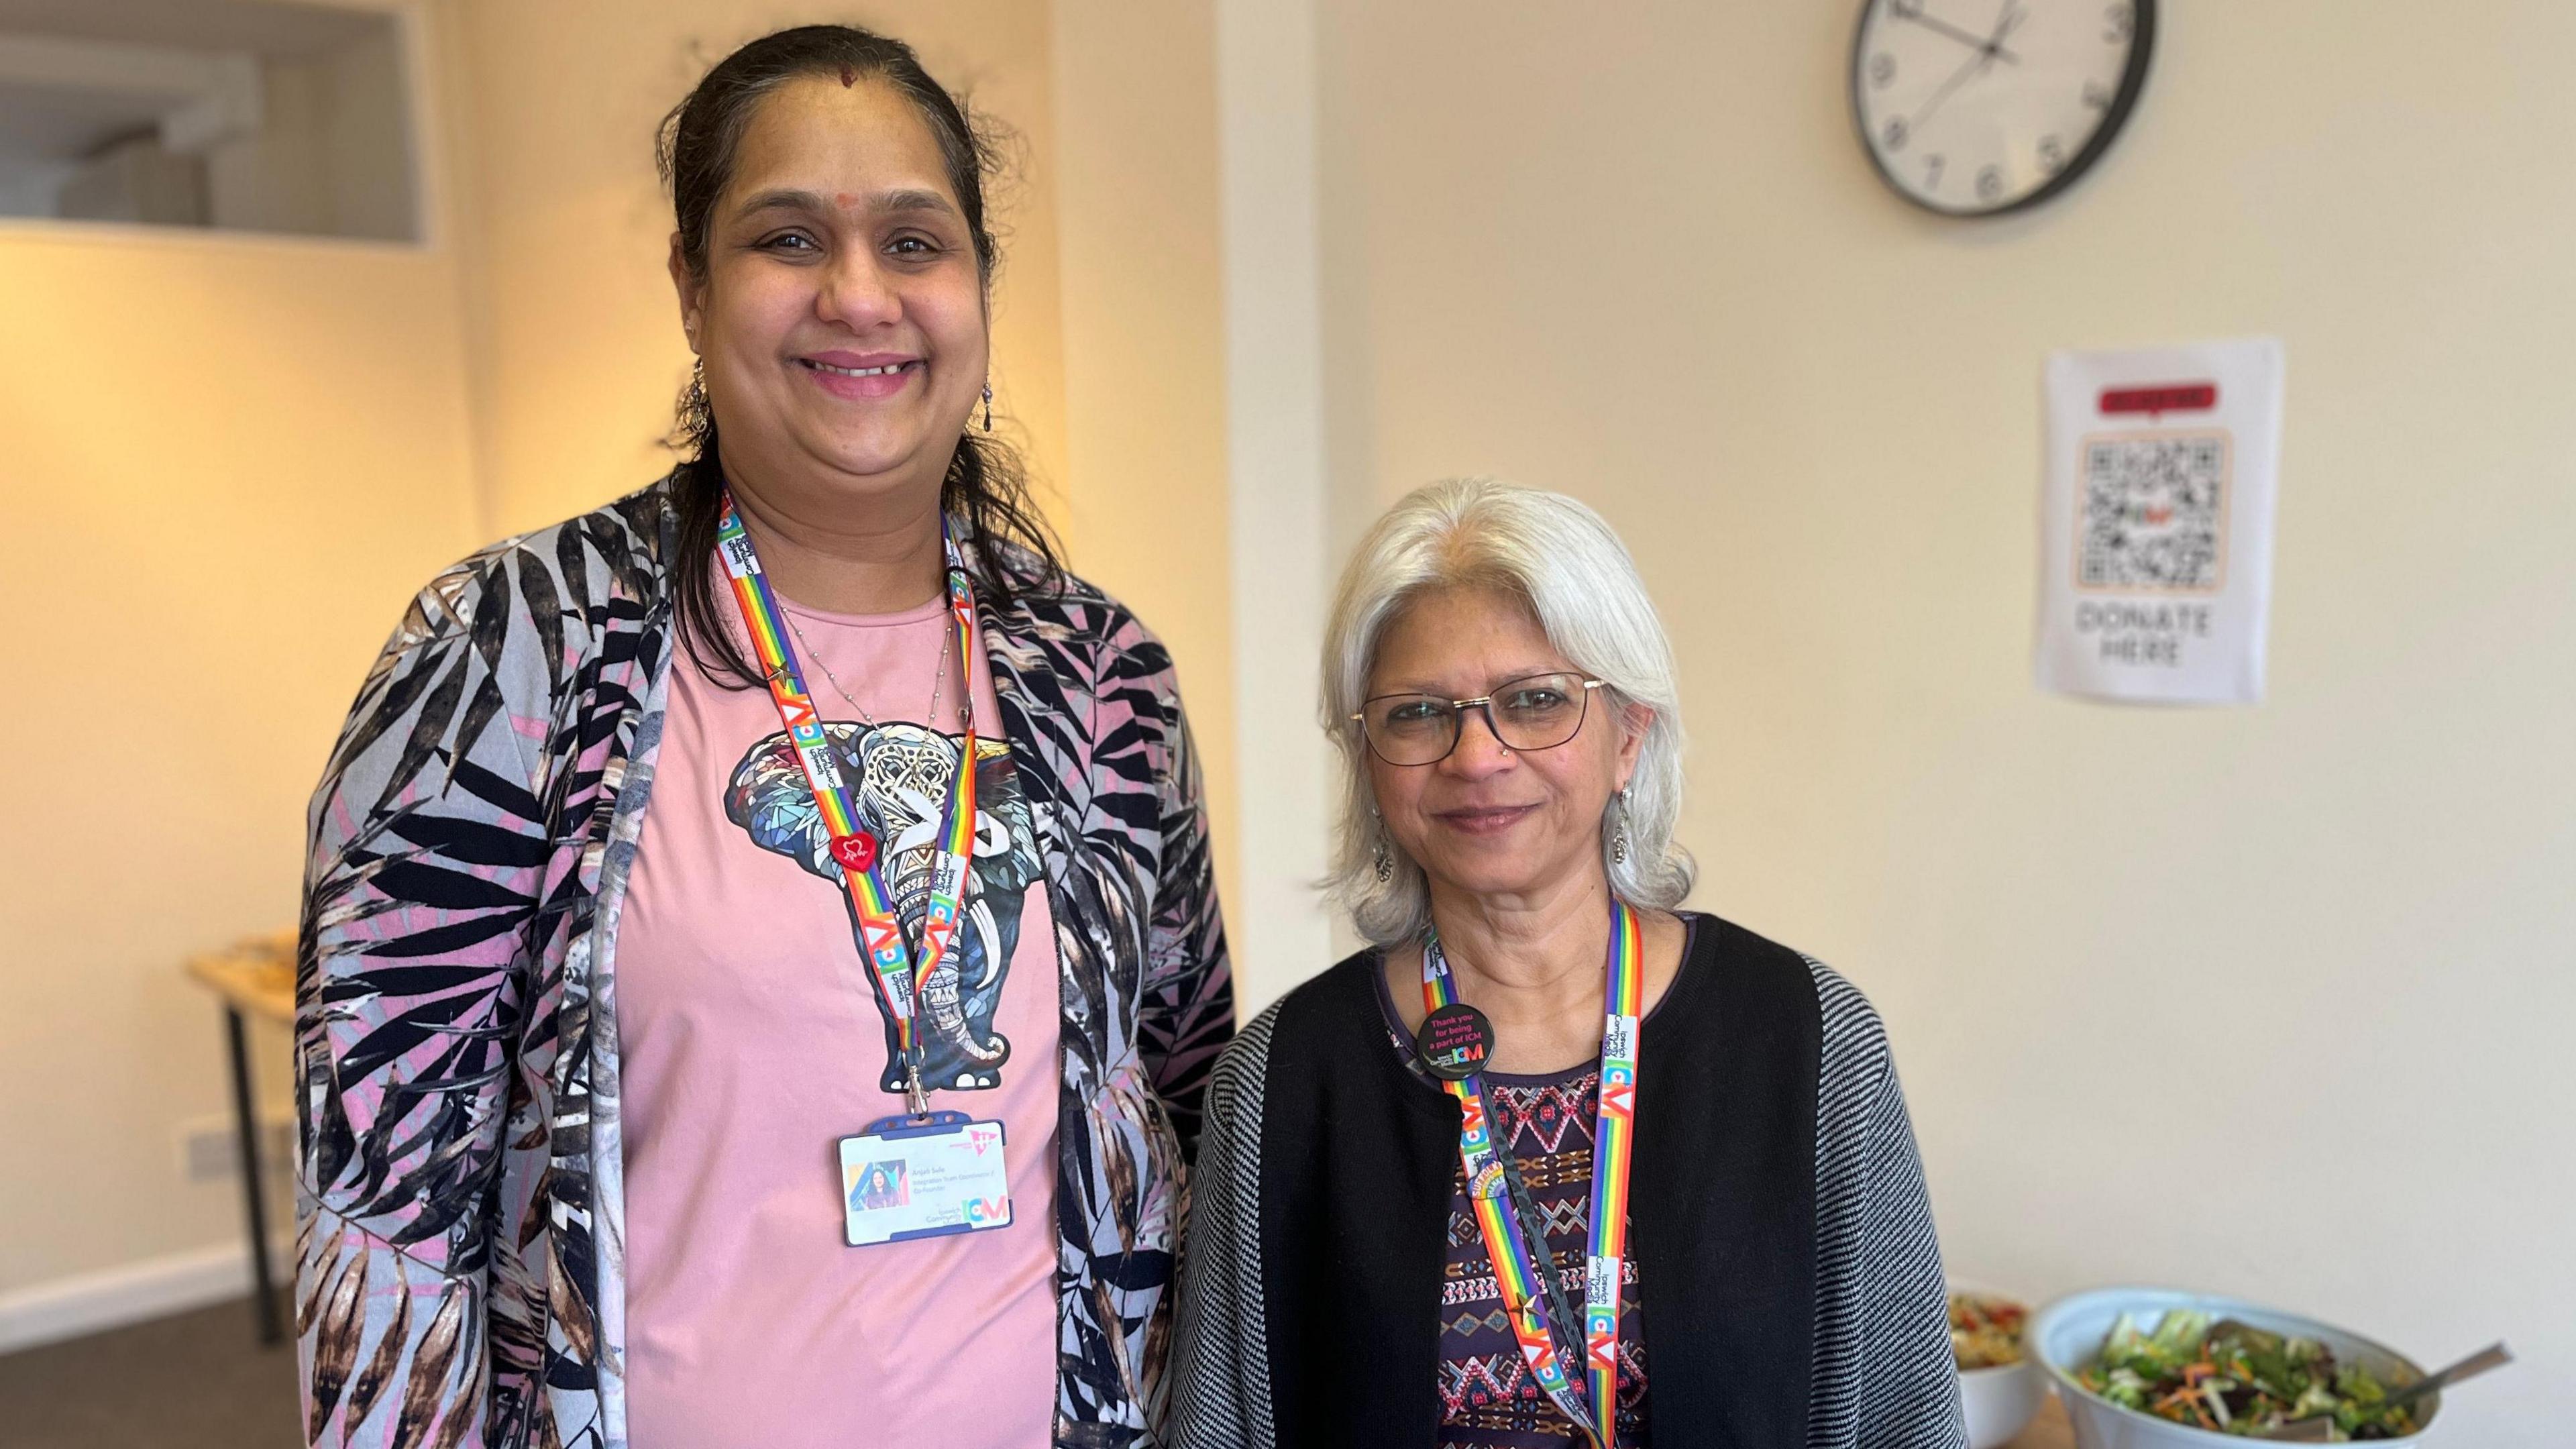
(988,407)
(1381,860)
(1619,832)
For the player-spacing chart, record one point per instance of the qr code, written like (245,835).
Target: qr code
(2155,512)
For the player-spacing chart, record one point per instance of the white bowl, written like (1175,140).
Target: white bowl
(2067,1334)
(2001,1401)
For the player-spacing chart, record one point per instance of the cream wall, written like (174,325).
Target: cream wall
(2270,1000)
(1144,344)
(1277,503)
(228,461)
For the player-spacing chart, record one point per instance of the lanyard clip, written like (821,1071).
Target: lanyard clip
(915,1100)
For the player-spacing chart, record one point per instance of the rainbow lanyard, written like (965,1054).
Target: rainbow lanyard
(1525,1291)
(899,972)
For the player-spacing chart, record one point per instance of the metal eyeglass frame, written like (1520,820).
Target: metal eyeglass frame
(1458,717)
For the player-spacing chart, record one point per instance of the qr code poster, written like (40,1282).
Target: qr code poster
(2157,522)
(2154,514)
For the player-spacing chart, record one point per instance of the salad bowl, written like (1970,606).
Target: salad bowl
(2067,1335)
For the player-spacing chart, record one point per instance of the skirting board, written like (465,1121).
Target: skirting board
(134,1293)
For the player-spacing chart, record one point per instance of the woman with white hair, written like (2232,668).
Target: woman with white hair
(1553,1162)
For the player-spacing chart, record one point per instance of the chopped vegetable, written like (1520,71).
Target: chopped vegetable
(2234,1378)
(1985,1332)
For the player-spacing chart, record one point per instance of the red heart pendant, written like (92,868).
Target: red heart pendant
(855,852)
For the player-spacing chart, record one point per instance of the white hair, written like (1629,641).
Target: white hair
(1584,589)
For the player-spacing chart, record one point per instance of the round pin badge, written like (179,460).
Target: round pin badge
(856,851)
(1454,1042)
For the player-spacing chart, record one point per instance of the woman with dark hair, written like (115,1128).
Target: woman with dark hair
(759,962)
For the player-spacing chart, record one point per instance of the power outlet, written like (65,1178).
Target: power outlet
(210,1147)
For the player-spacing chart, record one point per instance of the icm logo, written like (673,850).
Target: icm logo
(988,1210)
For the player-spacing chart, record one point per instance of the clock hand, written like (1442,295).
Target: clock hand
(2006,24)
(1975,65)
(1913,10)
(1971,66)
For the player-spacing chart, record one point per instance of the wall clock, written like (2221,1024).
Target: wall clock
(1979,107)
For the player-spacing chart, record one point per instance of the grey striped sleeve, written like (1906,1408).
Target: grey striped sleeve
(1221,1354)
(1883,1372)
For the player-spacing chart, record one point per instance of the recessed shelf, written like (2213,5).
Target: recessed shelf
(243,115)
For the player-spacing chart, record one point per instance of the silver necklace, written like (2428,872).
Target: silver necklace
(938,675)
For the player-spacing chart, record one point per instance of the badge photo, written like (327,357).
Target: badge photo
(907,1178)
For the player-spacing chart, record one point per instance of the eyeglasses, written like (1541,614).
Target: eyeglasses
(1534,712)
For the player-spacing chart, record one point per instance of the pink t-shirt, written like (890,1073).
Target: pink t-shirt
(751,1042)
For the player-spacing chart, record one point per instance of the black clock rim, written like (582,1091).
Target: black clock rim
(2133,82)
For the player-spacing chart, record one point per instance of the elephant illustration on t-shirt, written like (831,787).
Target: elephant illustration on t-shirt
(898,775)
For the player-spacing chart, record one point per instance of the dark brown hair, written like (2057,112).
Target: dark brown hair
(986,490)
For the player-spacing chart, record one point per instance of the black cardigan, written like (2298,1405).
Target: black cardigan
(1311,1291)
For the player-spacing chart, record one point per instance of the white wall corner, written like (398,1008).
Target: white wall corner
(1266,107)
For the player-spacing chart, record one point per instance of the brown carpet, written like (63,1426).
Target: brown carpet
(199,1380)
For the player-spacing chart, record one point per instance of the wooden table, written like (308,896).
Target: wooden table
(2050,1430)
(257,977)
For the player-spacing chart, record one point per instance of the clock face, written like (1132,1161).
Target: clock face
(1972,107)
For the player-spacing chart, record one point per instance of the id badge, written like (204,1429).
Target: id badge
(908,1177)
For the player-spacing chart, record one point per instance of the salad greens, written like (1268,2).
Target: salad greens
(2234,1378)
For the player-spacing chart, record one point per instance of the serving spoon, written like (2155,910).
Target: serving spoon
(2494,1355)
(2320,1429)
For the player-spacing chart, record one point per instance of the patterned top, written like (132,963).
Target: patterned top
(753,1043)
(1488,1399)
(1879,1373)
(461,1207)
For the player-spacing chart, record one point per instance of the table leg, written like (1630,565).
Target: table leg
(254,1200)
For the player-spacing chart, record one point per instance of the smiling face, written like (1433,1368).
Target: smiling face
(841,315)
(1489,821)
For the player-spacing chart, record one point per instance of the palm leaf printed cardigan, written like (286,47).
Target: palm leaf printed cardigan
(460,1219)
